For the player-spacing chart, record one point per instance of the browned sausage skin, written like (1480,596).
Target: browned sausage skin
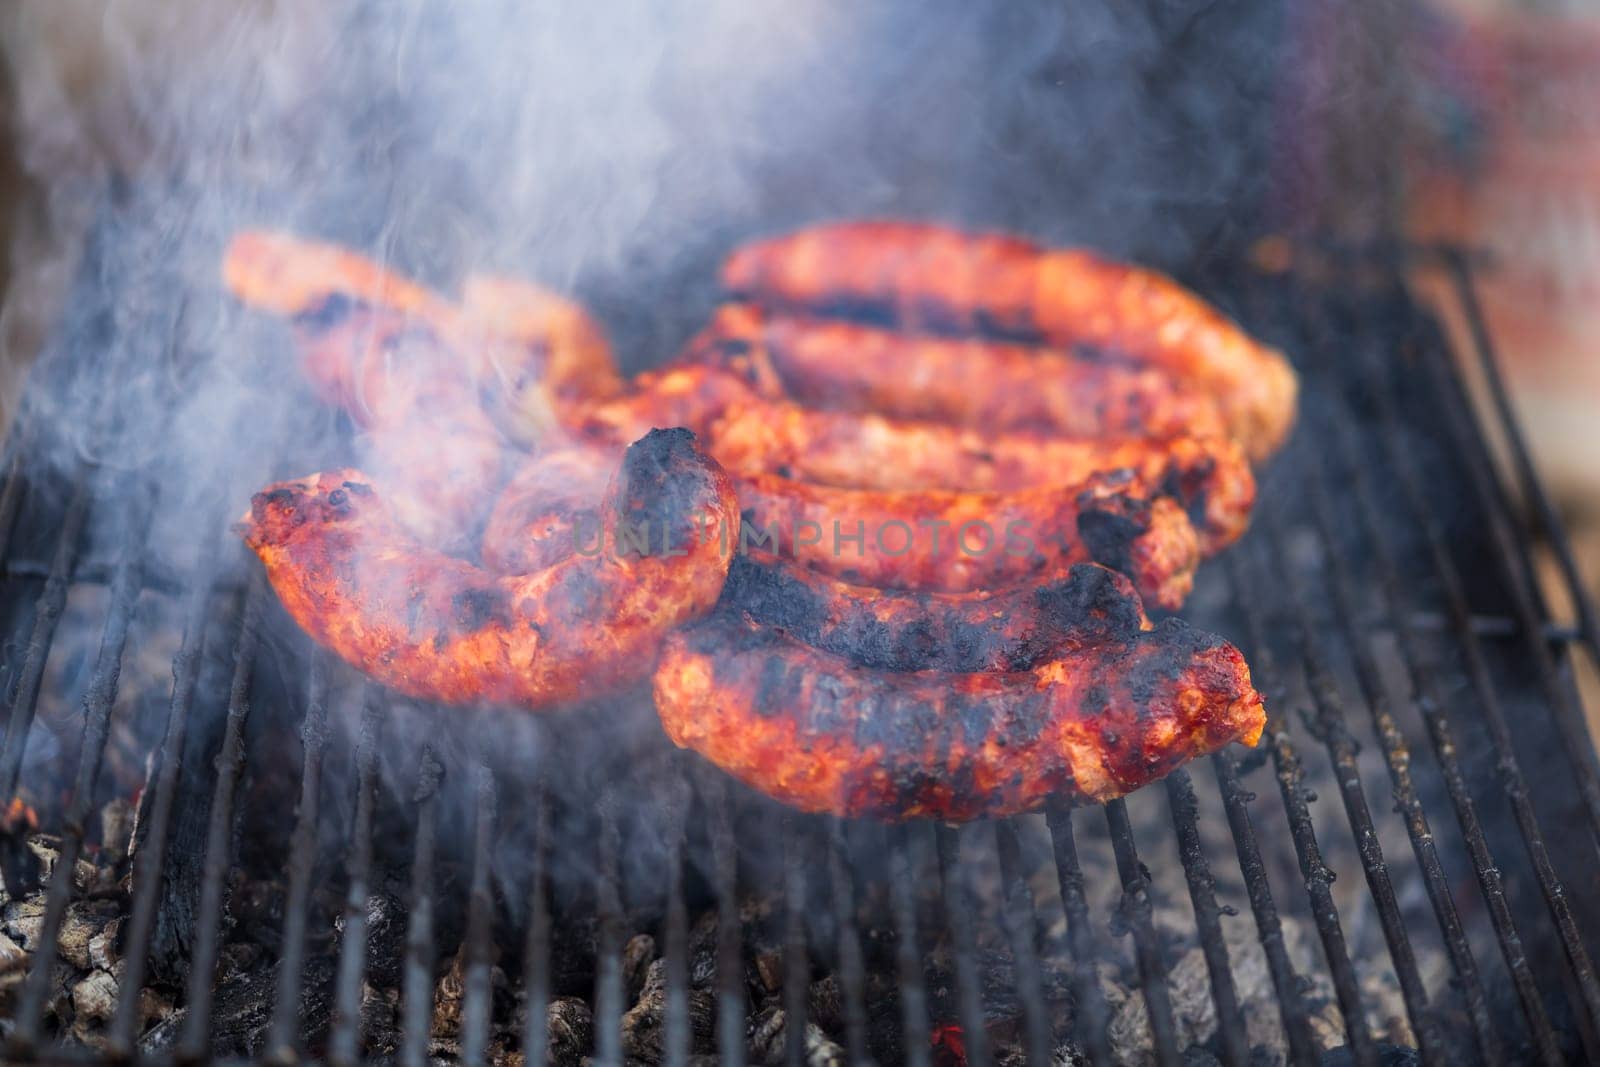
(971,382)
(814,731)
(984,540)
(439,628)
(943,280)
(898,630)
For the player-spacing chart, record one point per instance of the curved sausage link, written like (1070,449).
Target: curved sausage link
(1210,477)
(897,630)
(525,351)
(976,383)
(546,510)
(438,628)
(950,541)
(925,276)
(813,731)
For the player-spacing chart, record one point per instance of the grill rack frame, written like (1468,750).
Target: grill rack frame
(916,862)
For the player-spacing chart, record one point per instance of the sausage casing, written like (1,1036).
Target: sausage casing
(943,280)
(439,628)
(812,730)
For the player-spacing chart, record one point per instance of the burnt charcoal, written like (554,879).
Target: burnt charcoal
(637,956)
(769,1038)
(241,1011)
(386,939)
(642,1025)
(84,921)
(825,1004)
(94,1003)
(571,1031)
(183,866)
(574,944)
(380,1020)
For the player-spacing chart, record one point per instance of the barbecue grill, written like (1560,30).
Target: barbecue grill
(224,845)
(317,869)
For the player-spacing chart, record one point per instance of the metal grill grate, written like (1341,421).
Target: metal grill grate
(1385,600)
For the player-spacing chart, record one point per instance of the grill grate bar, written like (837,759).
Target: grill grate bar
(796,965)
(476,1005)
(1020,919)
(416,995)
(1510,770)
(1517,568)
(1207,915)
(1398,759)
(149,865)
(1137,910)
(1430,701)
(1329,723)
(47,612)
(608,956)
(958,906)
(852,974)
(11,494)
(904,867)
(1269,927)
(730,962)
(1290,775)
(345,1041)
(536,952)
(675,1029)
(1550,524)
(302,859)
(219,833)
(98,701)
(1093,1016)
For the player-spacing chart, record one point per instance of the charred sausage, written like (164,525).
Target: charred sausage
(439,628)
(812,730)
(951,541)
(928,277)
(897,630)
(977,383)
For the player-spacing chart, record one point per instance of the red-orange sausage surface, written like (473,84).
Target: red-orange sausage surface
(925,276)
(899,630)
(950,541)
(438,628)
(977,383)
(1088,724)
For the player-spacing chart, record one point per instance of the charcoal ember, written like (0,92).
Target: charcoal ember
(643,1025)
(571,1030)
(380,1020)
(574,945)
(386,938)
(769,971)
(12,957)
(94,1004)
(769,1036)
(825,1003)
(22,920)
(637,956)
(448,993)
(84,921)
(116,831)
(242,1004)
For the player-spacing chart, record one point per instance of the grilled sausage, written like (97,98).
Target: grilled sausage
(813,731)
(976,383)
(546,509)
(934,278)
(526,351)
(895,630)
(395,377)
(1211,477)
(439,628)
(949,541)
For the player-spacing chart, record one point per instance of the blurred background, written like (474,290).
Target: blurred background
(1185,130)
